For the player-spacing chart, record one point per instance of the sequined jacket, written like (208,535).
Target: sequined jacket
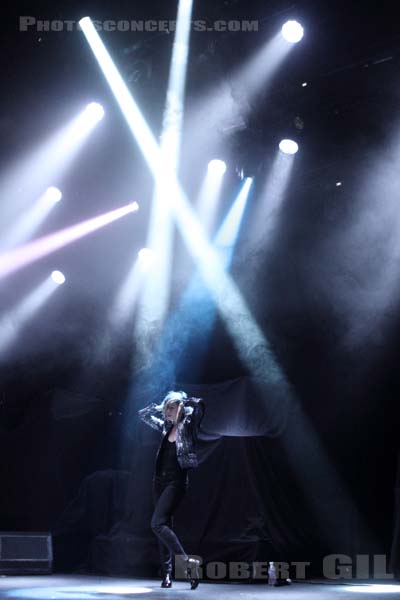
(186,432)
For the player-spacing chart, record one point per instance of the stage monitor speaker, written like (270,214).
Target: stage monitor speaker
(25,553)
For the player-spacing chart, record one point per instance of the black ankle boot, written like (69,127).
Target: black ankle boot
(192,572)
(166,582)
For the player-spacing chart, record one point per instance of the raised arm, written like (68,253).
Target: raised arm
(194,407)
(152,416)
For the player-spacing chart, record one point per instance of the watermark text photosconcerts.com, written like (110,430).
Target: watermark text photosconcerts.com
(30,23)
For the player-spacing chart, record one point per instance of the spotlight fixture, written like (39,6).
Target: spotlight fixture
(146,258)
(217,167)
(292,32)
(94,112)
(53,195)
(58,277)
(135,206)
(240,172)
(288,147)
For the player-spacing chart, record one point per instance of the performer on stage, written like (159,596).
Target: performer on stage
(178,419)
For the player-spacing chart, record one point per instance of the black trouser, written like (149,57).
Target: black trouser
(168,491)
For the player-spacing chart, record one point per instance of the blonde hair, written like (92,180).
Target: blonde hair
(173,398)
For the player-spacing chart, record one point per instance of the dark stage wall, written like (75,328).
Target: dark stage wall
(290,494)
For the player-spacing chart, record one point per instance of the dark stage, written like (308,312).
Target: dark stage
(199,195)
(79,587)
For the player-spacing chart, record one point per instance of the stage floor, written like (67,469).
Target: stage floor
(70,587)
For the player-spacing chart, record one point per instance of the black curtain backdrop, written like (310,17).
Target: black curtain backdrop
(395,552)
(269,490)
